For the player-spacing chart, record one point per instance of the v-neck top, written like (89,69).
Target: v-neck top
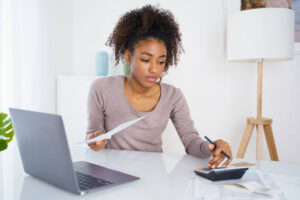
(108,107)
(126,100)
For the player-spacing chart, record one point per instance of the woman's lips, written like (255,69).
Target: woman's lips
(151,79)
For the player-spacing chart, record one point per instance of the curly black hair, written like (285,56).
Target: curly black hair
(143,23)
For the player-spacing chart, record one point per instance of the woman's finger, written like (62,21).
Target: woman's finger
(217,155)
(95,145)
(220,160)
(100,145)
(92,144)
(227,162)
(217,152)
(213,161)
(217,160)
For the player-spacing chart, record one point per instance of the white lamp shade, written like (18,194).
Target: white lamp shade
(263,33)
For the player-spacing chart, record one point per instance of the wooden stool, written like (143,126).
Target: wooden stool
(263,125)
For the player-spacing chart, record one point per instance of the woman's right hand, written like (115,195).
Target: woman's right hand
(98,145)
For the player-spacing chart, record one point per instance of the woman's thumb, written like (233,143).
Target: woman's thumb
(211,147)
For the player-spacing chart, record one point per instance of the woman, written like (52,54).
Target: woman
(150,41)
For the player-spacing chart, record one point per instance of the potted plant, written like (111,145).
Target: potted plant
(6,131)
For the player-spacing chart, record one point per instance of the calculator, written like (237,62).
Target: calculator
(222,173)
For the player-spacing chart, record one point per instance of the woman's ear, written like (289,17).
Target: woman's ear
(127,56)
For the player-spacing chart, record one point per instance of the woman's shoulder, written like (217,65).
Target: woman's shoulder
(171,91)
(173,96)
(107,83)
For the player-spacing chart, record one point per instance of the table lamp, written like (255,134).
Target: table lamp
(258,35)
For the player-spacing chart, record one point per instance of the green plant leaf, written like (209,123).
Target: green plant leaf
(2,118)
(10,136)
(6,131)
(7,128)
(6,122)
(3,145)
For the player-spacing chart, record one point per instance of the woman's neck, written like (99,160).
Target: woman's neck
(135,88)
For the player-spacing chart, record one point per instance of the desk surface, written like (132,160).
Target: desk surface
(163,176)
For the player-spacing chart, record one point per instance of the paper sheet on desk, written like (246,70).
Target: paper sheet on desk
(113,131)
(232,189)
(289,185)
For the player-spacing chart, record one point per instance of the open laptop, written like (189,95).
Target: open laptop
(45,154)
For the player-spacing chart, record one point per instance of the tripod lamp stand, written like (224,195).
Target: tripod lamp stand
(259,35)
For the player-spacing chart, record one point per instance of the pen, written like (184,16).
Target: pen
(225,154)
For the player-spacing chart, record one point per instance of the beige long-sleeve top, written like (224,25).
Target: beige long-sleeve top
(108,107)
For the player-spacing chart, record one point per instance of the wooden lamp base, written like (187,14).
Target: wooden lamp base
(262,126)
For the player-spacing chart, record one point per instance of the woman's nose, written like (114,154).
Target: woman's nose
(153,68)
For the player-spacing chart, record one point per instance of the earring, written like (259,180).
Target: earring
(126,68)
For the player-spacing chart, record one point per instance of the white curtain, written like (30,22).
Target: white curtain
(19,54)
(18,70)
(36,44)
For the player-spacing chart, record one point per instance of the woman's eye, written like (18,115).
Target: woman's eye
(143,60)
(162,62)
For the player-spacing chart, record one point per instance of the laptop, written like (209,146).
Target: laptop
(45,155)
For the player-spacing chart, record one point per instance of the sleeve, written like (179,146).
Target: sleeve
(180,116)
(95,110)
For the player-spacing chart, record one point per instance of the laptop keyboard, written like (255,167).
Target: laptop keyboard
(87,182)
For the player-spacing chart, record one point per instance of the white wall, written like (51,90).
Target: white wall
(221,95)
(62,37)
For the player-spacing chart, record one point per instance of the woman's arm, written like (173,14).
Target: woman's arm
(180,116)
(190,138)
(95,111)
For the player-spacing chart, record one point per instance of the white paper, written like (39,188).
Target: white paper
(259,188)
(289,185)
(253,185)
(112,132)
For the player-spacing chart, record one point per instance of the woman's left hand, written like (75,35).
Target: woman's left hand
(217,156)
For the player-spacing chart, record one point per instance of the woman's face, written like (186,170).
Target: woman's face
(147,61)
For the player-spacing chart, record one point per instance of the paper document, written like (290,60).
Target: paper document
(112,132)
(242,164)
(253,185)
(259,188)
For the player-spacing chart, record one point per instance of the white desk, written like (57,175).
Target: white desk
(163,176)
